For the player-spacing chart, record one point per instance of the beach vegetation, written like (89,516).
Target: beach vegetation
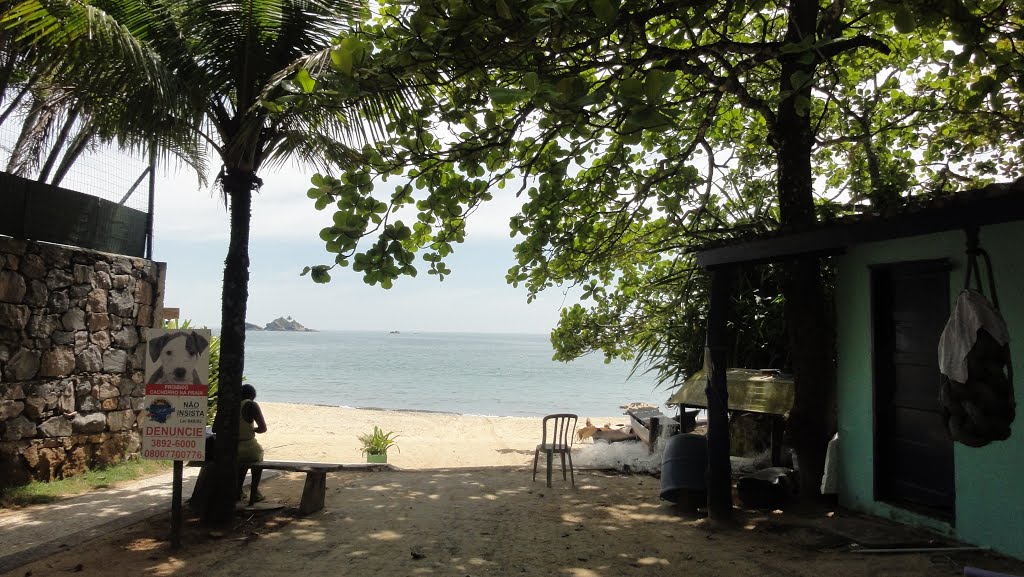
(634,133)
(39,492)
(378,442)
(227,78)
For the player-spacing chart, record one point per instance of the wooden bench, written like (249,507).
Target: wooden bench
(313,492)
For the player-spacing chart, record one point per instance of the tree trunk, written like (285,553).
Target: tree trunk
(808,318)
(717,391)
(220,507)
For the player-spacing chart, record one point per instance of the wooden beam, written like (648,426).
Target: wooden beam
(995,204)
(715,360)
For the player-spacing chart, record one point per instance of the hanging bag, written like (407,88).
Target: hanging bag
(976,385)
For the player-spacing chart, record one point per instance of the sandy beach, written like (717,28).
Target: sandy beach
(425,440)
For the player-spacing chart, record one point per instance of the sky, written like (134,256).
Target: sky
(191,234)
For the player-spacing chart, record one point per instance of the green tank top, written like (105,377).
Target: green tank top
(246,429)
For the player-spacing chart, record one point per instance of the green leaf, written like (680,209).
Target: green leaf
(606,10)
(904,19)
(342,60)
(799,79)
(502,9)
(531,81)
(505,96)
(305,81)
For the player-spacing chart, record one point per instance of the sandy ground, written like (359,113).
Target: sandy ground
(425,440)
(464,504)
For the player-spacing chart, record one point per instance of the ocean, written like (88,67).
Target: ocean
(475,374)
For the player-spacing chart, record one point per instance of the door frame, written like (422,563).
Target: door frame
(878,366)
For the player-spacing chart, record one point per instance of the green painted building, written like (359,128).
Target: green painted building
(897,280)
(892,462)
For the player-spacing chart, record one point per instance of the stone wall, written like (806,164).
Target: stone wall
(71,357)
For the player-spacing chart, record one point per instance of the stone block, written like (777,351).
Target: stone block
(120,420)
(32,266)
(37,294)
(14,392)
(55,427)
(121,281)
(87,404)
(138,403)
(10,409)
(43,326)
(65,397)
(81,341)
(56,257)
(121,303)
(24,365)
(78,292)
(58,278)
(57,362)
(98,322)
(115,361)
(100,339)
(66,338)
(73,320)
(109,404)
(59,301)
(102,266)
(88,424)
(14,316)
(127,338)
(5,352)
(106,390)
(46,391)
(96,301)
(121,265)
(19,428)
(83,273)
(103,281)
(35,407)
(144,293)
(12,287)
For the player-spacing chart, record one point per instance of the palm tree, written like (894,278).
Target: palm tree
(220,72)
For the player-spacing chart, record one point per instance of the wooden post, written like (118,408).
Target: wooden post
(719,466)
(176,505)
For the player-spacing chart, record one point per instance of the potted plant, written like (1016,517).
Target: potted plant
(376,446)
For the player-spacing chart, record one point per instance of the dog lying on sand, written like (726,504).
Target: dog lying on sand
(606,433)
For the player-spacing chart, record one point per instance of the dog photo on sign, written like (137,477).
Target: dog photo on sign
(177,357)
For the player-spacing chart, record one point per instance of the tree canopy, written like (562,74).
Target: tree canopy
(634,132)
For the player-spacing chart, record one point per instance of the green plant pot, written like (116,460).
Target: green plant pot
(377,458)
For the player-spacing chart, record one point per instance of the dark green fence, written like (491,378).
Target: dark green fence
(38,211)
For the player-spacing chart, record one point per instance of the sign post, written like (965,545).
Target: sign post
(174,422)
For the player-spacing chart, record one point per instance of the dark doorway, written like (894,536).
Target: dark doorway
(913,452)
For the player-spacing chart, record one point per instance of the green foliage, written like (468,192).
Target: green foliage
(378,442)
(633,133)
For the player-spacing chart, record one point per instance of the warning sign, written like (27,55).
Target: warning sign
(177,376)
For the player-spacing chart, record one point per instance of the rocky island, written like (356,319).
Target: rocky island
(280,324)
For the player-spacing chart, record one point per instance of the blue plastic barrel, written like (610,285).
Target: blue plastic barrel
(684,470)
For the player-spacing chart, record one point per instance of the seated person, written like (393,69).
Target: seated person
(250,422)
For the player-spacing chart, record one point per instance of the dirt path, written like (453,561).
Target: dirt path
(495,521)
